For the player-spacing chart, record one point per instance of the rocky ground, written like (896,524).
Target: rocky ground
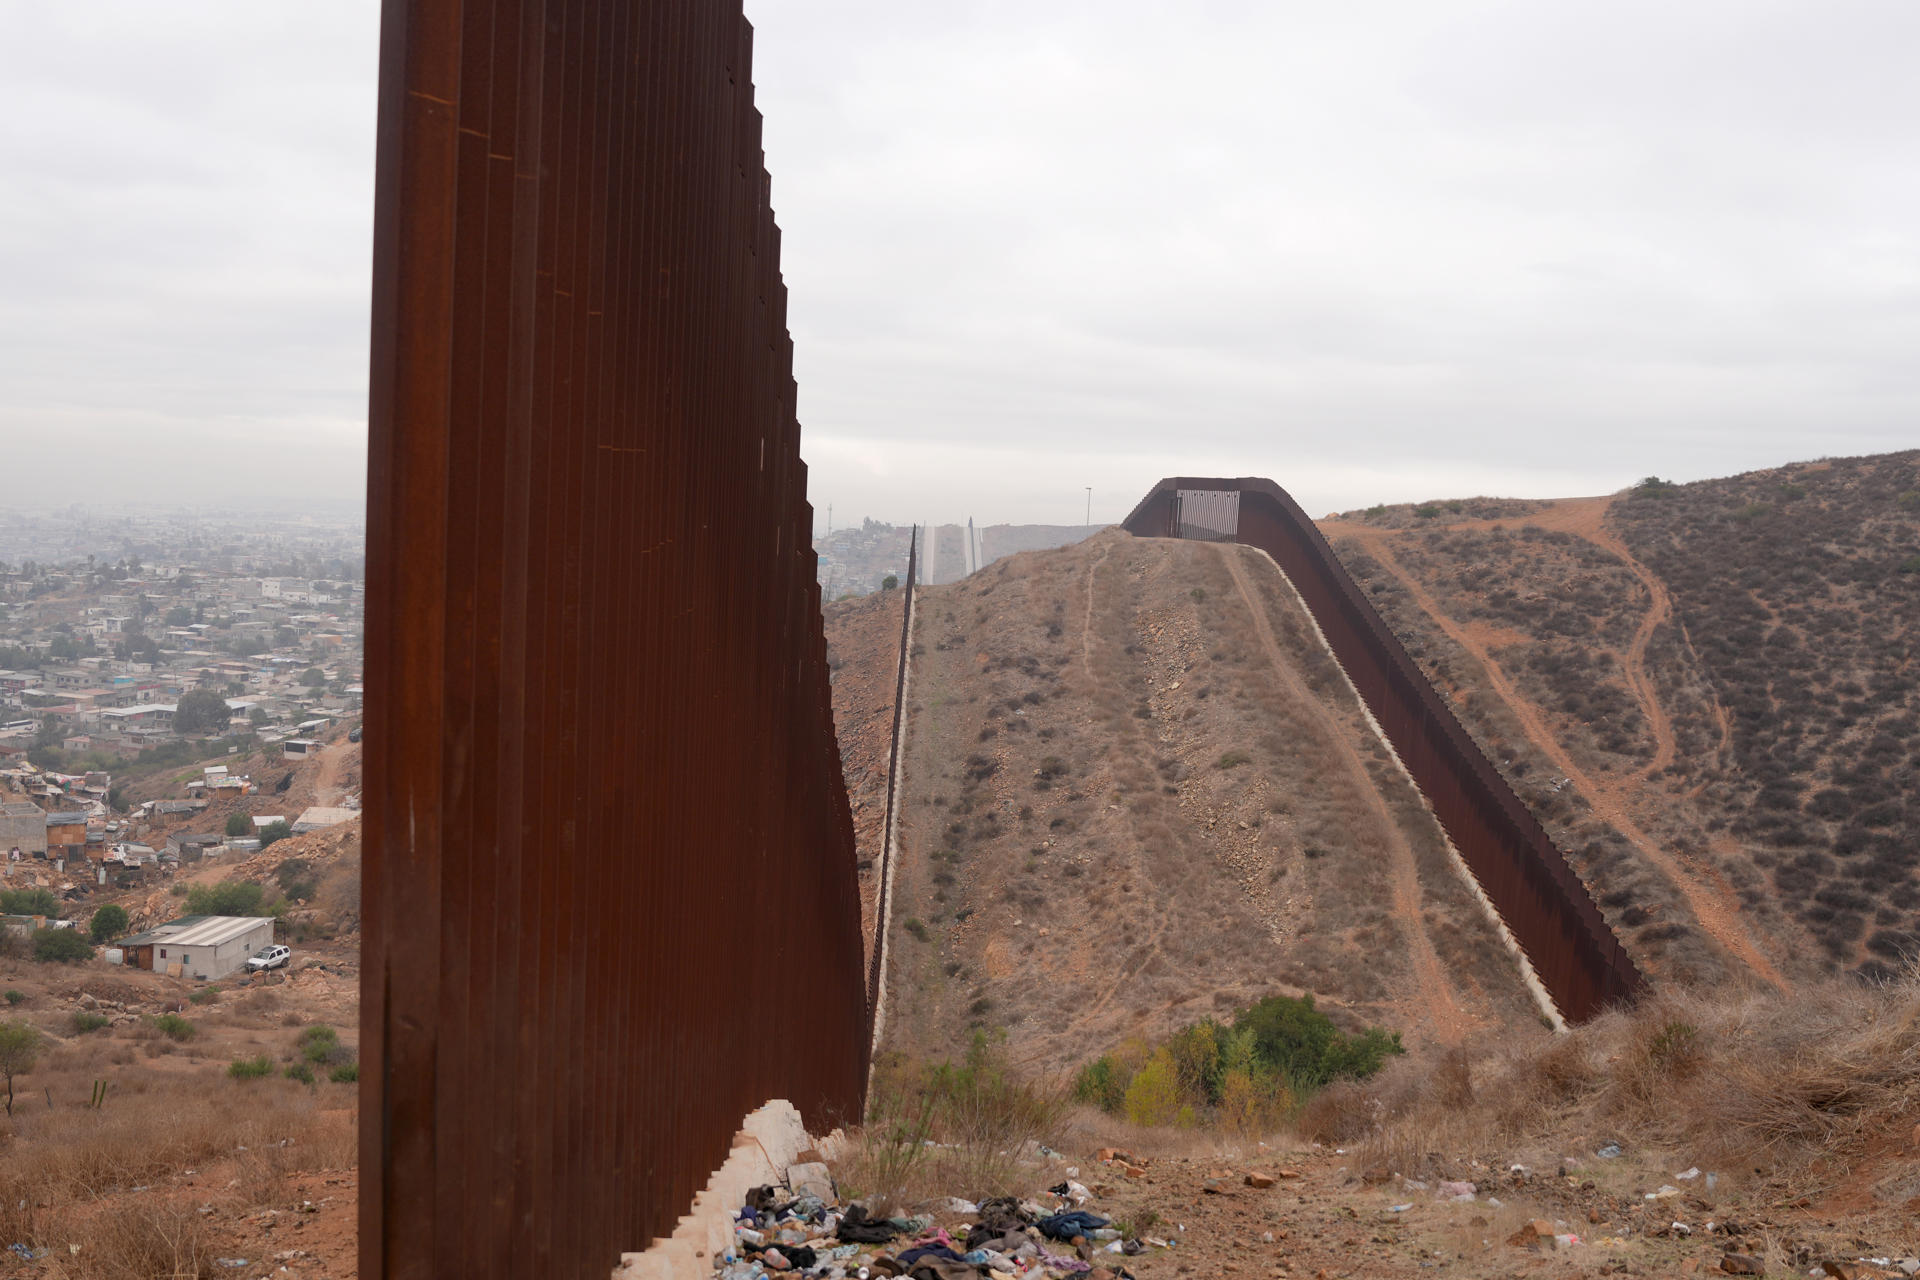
(1312,1211)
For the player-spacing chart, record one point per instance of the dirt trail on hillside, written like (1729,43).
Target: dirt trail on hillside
(1659,610)
(1086,622)
(1708,896)
(1451,1023)
(326,784)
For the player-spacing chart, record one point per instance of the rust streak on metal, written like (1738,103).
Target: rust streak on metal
(611,902)
(1524,874)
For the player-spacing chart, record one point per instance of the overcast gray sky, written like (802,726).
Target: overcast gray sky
(1377,251)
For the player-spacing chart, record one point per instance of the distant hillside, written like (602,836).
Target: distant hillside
(1138,791)
(1706,692)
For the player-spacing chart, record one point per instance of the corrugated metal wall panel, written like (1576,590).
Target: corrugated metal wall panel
(610,892)
(1544,904)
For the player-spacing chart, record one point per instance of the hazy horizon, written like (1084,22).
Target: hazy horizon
(1379,254)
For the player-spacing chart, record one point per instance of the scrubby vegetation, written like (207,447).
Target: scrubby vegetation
(942,1129)
(1796,1089)
(61,946)
(1244,1076)
(1789,585)
(29,902)
(232,898)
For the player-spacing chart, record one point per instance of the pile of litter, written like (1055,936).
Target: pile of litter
(1007,1238)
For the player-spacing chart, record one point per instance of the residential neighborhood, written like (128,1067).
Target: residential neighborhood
(134,651)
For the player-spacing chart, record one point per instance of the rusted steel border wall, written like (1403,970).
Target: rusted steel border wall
(876,972)
(1524,874)
(610,897)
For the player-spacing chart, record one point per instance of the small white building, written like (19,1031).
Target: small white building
(200,947)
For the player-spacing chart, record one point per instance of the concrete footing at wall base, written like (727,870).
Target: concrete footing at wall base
(766,1145)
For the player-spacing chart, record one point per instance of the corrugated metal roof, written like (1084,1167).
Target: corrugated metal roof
(215,931)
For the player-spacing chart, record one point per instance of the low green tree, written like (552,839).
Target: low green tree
(239,824)
(19,1050)
(275,831)
(109,922)
(200,711)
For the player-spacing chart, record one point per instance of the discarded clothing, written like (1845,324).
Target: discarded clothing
(941,1269)
(765,1201)
(1003,1214)
(857,1228)
(939,1251)
(1065,1226)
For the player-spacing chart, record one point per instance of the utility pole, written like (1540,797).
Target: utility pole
(1089,506)
(829,519)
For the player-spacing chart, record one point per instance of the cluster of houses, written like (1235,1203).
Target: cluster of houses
(104,670)
(79,844)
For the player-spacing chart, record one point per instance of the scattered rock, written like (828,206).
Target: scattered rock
(1742,1264)
(1537,1234)
(1260,1180)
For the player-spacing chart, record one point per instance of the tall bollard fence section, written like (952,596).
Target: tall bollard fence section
(610,896)
(1523,873)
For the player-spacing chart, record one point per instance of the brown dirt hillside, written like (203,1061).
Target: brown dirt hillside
(1138,792)
(863,653)
(1704,691)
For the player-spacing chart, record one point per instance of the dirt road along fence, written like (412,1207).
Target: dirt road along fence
(1526,877)
(610,896)
(877,964)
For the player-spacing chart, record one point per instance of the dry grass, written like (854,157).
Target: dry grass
(1794,1088)
(970,1130)
(60,1168)
(1087,1129)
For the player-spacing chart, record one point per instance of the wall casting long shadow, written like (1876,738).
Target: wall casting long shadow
(1522,871)
(611,903)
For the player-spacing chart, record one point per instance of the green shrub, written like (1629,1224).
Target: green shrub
(297,878)
(1199,594)
(1910,565)
(1103,1083)
(239,824)
(205,995)
(174,1027)
(916,927)
(301,1071)
(274,832)
(250,1068)
(109,922)
(320,1044)
(61,946)
(15,997)
(29,902)
(345,1073)
(1233,760)
(1300,1044)
(228,898)
(85,1020)
(1154,1096)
